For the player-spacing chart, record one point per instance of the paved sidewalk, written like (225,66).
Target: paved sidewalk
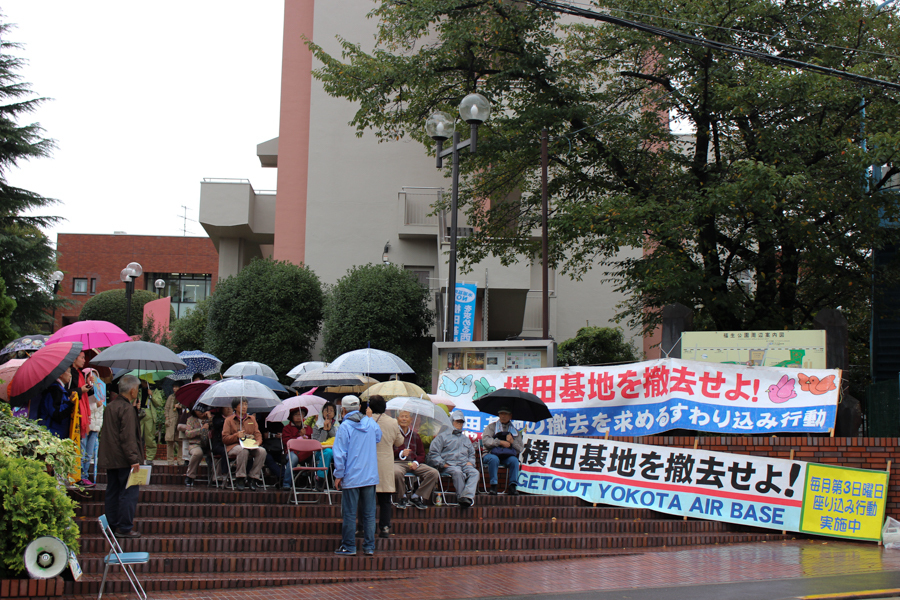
(646,570)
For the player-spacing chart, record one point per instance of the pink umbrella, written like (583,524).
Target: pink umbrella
(312,403)
(91,334)
(7,371)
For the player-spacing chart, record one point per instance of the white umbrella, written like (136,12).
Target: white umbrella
(325,378)
(368,361)
(306,367)
(250,368)
(312,403)
(423,411)
(258,396)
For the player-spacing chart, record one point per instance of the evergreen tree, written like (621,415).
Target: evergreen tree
(27,257)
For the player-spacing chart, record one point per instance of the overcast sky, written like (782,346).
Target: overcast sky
(145,100)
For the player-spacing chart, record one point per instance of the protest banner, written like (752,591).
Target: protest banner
(747,490)
(650,397)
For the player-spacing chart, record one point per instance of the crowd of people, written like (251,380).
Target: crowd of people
(378,463)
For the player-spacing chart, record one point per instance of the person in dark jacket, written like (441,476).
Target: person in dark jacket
(55,408)
(410,458)
(120,454)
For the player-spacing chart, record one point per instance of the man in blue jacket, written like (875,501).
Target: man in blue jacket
(356,475)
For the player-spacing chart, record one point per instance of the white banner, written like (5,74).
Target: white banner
(650,397)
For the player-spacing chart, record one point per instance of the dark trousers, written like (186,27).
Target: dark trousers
(121,502)
(384,509)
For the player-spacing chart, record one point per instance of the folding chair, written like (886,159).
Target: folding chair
(445,494)
(410,483)
(481,451)
(117,557)
(301,445)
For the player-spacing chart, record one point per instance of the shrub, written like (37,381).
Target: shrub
(596,346)
(33,506)
(381,305)
(189,331)
(110,306)
(270,312)
(21,437)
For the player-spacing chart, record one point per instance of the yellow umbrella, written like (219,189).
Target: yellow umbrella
(353,389)
(394,389)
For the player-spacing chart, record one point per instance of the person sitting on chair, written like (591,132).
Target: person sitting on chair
(295,429)
(452,452)
(242,427)
(502,444)
(410,458)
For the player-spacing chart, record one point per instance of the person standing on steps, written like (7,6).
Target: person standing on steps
(120,454)
(356,475)
(390,439)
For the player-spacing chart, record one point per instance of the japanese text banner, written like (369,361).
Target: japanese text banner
(654,396)
(748,490)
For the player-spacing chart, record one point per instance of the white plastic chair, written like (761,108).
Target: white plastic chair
(117,557)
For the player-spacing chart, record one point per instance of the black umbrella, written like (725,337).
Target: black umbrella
(524,406)
(145,356)
(43,368)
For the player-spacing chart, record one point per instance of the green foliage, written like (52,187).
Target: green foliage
(110,306)
(759,219)
(151,333)
(189,331)
(33,505)
(382,305)
(24,438)
(27,256)
(596,346)
(7,306)
(270,312)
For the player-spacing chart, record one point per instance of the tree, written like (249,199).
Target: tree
(383,306)
(7,306)
(189,331)
(758,219)
(596,346)
(270,312)
(27,256)
(111,306)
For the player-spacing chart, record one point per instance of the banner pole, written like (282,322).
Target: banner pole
(783,531)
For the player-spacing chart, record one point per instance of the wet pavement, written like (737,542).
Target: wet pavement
(759,571)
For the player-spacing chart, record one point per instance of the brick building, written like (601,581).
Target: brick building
(92,263)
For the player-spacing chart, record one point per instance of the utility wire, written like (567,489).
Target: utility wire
(703,42)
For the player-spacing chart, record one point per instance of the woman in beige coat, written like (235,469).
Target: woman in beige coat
(390,437)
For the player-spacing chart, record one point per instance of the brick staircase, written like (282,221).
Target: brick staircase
(204,538)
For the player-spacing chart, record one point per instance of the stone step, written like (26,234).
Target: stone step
(221,511)
(207,547)
(265,563)
(89,584)
(413,524)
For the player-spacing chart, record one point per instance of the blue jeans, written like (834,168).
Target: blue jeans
(88,452)
(363,499)
(493,462)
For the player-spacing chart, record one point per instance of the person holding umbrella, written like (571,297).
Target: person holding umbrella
(503,444)
(172,410)
(55,409)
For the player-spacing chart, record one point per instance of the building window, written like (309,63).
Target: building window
(93,285)
(185,289)
(80,285)
(423,275)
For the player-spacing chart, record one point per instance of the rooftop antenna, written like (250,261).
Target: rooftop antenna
(185,219)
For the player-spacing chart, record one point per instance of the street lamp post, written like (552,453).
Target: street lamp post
(127,276)
(474,110)
(159,284)
(55,277)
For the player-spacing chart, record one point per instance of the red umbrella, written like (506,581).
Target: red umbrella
(187,395)
(43,368)
(91,334)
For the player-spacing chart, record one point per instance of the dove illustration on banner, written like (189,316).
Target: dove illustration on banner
(783,390)
(814,385)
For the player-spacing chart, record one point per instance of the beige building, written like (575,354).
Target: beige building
(343,201)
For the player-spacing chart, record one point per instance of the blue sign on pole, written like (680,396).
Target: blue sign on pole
(464,317)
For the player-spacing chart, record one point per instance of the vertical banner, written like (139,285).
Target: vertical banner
(464,317)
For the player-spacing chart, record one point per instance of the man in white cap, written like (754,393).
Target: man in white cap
(356,475)
(452,452)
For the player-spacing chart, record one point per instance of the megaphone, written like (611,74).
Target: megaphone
(46,557)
